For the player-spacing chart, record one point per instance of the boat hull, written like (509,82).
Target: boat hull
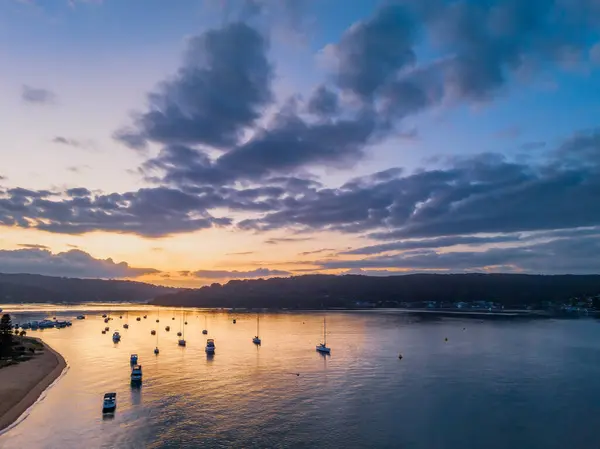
(323,349)
(109,408)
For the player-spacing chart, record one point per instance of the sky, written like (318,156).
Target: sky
(198,141)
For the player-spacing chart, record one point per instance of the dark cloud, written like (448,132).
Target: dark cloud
(37,95)
(372,51)
(440,242)
(148,212)
(317,251)
(277,241)
(480,47)
(286,144)
(32,246)
(72,263)
(562,256)
(185,273)
(223,274)
(66,141)
(323,102)
(486,193)
(221,89)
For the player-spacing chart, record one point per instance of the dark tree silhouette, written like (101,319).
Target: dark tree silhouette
(6,330)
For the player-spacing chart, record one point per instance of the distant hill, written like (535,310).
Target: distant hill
(314,291)
(16,288)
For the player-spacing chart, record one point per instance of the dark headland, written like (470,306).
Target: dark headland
(468,291)
(20,288)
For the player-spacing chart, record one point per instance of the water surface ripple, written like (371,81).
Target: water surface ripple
(493,385)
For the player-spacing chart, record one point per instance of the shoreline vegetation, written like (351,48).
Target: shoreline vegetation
(22,383)
(471,292)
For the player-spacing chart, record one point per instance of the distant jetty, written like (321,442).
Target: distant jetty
(22,384)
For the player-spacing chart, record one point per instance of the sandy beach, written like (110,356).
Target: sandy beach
(22,384)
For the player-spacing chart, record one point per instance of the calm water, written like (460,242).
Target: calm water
(512,384)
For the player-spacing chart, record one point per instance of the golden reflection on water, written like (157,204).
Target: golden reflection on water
(487,376)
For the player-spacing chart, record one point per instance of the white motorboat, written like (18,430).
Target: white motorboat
(210,346)
(116,337)
(322,347)
(133,359)
(110,403)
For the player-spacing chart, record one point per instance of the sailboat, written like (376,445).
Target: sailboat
(322,347)
(256,339)
(182,339)
(204,331)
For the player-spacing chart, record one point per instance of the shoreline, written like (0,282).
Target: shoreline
(22,385)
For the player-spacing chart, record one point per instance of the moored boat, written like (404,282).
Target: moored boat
(116,337)
(109,404)
(210,346)
(136,374)
(322,347)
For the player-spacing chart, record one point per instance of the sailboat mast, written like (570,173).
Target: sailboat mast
(257,325)
(325,331)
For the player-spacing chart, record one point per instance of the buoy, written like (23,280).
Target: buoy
(399,356)
(446,339)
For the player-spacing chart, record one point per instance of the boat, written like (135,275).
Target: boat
(204,332)
(125,326)
(104,315)
(107,328)
(181,333)
(120,317)
(256,339)
(133,359)
(116,337)
(322,347)
(109,404)
(156,351)
(136,374)
(138,319)
(103,331)
(152,332)
(210,346)
(234,321)
(168,328)
(81,317)
(145,316)
(106,320)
